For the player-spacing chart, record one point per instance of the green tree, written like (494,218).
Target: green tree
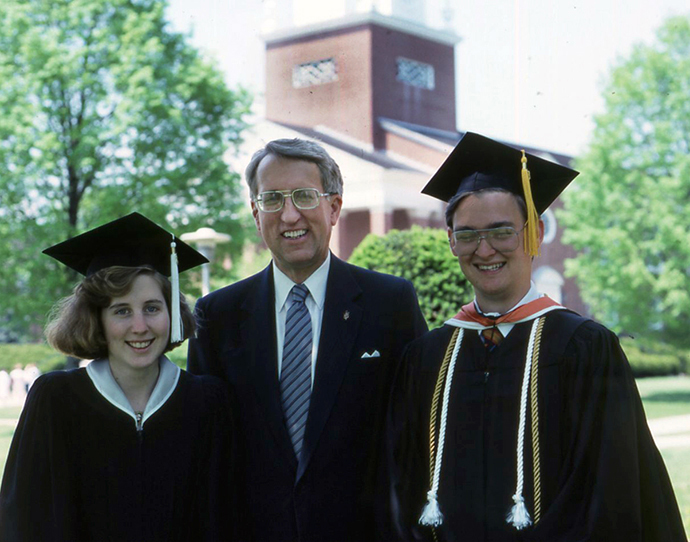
(628,212)
(422,256)
(104,110)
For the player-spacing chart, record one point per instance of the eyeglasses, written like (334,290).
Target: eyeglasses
(504,239)
(303,198)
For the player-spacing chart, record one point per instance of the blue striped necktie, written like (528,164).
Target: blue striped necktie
(295,375)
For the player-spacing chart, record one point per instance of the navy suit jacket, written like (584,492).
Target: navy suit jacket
(330,495)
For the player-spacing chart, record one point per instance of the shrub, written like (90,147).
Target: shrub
(653,359)
(45,358)
(179,355)
(422,256)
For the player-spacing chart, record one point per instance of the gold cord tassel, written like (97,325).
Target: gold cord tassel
(532,226)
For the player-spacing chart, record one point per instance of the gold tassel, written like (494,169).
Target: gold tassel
(532,226)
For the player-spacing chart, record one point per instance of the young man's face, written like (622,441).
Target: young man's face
(297,238)
(500,279)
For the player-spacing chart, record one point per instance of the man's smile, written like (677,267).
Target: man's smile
(490,267)
(294,234)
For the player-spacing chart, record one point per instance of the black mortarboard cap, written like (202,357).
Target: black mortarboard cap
(478,162)
(130,241)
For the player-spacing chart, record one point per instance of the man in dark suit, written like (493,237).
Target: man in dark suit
(310,424)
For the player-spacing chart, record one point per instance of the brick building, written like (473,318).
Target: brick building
(378,91)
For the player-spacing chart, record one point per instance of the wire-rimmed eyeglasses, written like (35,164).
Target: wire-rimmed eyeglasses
(503,239)
(303,198)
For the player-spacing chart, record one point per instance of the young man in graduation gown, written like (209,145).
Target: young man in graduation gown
(518,419)
(308,346)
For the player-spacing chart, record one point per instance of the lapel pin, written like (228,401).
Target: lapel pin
(346,315)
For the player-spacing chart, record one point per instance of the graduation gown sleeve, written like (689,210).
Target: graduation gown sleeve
(407,437)
(214,505)
(36,487)
(612,483)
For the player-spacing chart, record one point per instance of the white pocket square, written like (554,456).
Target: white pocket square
(374,354)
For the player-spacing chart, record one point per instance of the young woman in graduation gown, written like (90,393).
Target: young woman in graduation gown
(129,447)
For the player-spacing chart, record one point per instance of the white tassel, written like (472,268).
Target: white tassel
(431,516)
(176,334)
(518,515)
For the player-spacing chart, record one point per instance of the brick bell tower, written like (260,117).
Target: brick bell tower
(353,73)
(377,86)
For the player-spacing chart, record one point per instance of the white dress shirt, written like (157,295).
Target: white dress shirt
(316,284)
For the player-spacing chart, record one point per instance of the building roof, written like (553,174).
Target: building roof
(444,141)
(446,37)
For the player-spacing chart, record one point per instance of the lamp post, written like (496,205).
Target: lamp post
(205,240)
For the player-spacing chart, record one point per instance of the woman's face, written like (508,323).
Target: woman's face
(137,326)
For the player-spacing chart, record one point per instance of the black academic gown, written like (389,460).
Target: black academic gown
(602,477)
(78,468)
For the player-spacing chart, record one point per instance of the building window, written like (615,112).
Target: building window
(314,73)
(549,226)
(549,282)
(417,74)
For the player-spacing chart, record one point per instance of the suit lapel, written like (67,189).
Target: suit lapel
(341,318)
(259,331)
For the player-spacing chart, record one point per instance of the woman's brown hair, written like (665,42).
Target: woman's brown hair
(74,326)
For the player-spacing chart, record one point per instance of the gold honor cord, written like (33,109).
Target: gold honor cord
(533,384)
(440,381)
(535,423)
(435,400)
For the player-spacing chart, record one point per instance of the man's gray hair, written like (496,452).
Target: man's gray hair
(298,149)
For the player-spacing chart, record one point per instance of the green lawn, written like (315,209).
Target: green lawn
(678,465)
(665,395)
(5,440)
(670,396)
(6,432)
(10,412)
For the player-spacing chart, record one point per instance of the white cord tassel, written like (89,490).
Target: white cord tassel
(519,516)
(432,515)
(176,334)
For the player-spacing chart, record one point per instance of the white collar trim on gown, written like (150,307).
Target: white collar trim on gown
(102,377)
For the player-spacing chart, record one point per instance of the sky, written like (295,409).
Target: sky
(527,71)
